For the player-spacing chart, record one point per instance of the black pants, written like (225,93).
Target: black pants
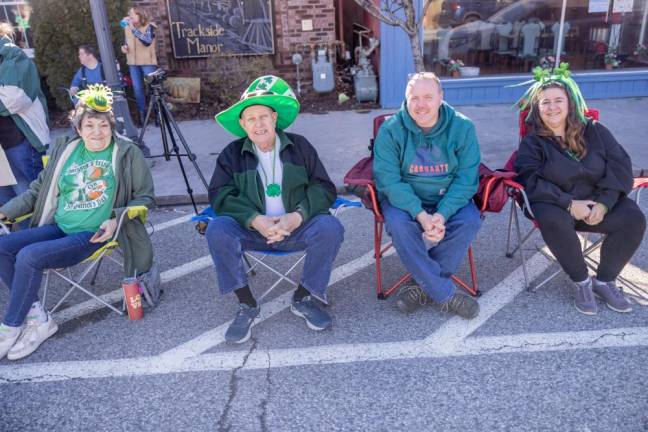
(624,225)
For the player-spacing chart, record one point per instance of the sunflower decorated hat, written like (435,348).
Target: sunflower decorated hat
(98,97)
(267,90)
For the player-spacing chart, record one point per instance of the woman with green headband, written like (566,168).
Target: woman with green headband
(88,183)
(577,178)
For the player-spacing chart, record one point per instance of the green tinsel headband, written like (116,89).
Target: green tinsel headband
(560,75)
(97,97)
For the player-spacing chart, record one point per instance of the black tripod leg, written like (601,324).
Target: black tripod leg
(165,118)
(192,157)
(140,139)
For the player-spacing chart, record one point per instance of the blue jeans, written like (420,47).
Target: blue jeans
(26,163)
(432,269)
(320,237)
(25,254)
(137,73)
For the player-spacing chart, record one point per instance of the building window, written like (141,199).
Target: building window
(490,37)
(18,13)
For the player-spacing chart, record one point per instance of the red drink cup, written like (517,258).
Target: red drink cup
(133,298)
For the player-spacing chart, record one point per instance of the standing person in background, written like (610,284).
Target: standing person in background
(90,72)
(139,48)
(23,116)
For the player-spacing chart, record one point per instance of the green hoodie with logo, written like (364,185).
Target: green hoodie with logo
(437,169)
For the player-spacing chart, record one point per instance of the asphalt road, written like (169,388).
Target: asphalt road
(528,362)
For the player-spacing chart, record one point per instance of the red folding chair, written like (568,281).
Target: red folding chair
(361,177)
(520,201)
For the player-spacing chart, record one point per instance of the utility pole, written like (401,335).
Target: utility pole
(104,41)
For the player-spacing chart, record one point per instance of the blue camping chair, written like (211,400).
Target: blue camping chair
(257,258)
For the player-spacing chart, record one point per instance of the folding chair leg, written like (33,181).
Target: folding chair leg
(251,270)
(284,277)
(94,276)
(47,273)
(508,233)
(473,289)
(77,286)
(378,229)
(520,246)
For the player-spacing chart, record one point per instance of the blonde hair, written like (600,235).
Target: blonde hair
(142,14)
(418,76)
(6,29)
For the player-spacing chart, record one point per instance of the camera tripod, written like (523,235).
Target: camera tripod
(158,107)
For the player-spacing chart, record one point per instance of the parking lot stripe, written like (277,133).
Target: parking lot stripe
(325,355)
(456,328)
(216,336)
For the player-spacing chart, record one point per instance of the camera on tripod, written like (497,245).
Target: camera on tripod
(156,77)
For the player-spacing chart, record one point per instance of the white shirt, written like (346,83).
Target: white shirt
(274,205)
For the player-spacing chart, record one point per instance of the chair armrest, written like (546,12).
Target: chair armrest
(132,212)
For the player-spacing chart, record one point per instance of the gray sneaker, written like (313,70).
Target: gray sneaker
(316,318)
(241,328)
(461,304)
(410,297)
(612,296)
(584,300)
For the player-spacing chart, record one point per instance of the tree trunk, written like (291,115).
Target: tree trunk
(417,53)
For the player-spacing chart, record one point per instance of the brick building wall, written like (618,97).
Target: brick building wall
(288,36)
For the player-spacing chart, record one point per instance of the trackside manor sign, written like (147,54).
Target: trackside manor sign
(202,28)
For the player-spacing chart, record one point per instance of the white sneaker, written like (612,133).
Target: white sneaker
(34,334)
(7,340)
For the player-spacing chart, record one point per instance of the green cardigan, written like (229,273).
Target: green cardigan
(133,186)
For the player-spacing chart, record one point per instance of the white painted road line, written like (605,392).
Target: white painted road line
(456,329)
(216,336)
(173,222)
(326,355)
(449,341)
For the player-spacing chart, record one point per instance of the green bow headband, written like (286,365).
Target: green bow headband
(560,75)
(97,97)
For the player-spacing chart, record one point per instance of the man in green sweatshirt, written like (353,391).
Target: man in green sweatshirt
(426,160)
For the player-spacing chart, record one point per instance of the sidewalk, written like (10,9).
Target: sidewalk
(341,139)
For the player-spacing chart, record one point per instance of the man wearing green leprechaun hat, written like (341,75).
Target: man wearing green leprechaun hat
(271,192)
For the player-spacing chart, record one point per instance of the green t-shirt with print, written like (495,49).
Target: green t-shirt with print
(86,188)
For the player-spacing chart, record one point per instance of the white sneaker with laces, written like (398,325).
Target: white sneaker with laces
(34,334)
(8,337)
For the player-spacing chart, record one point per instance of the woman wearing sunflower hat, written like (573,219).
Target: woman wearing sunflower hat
(577,178)
(271,192)
(88,183)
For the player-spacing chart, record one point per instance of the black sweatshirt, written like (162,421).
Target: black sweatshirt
(550,175)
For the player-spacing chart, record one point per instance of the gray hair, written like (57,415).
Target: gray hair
(82,111)
(418,76)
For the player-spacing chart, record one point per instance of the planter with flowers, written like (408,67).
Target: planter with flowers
(548,62)
(611,61)
(454,66)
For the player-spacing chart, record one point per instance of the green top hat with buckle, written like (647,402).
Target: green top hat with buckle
(268,90)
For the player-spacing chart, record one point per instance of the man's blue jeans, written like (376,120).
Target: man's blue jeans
(320,237)
(26,253)
(432,269)
(137,73)
(26,163)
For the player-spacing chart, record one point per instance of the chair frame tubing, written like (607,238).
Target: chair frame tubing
(380,250)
